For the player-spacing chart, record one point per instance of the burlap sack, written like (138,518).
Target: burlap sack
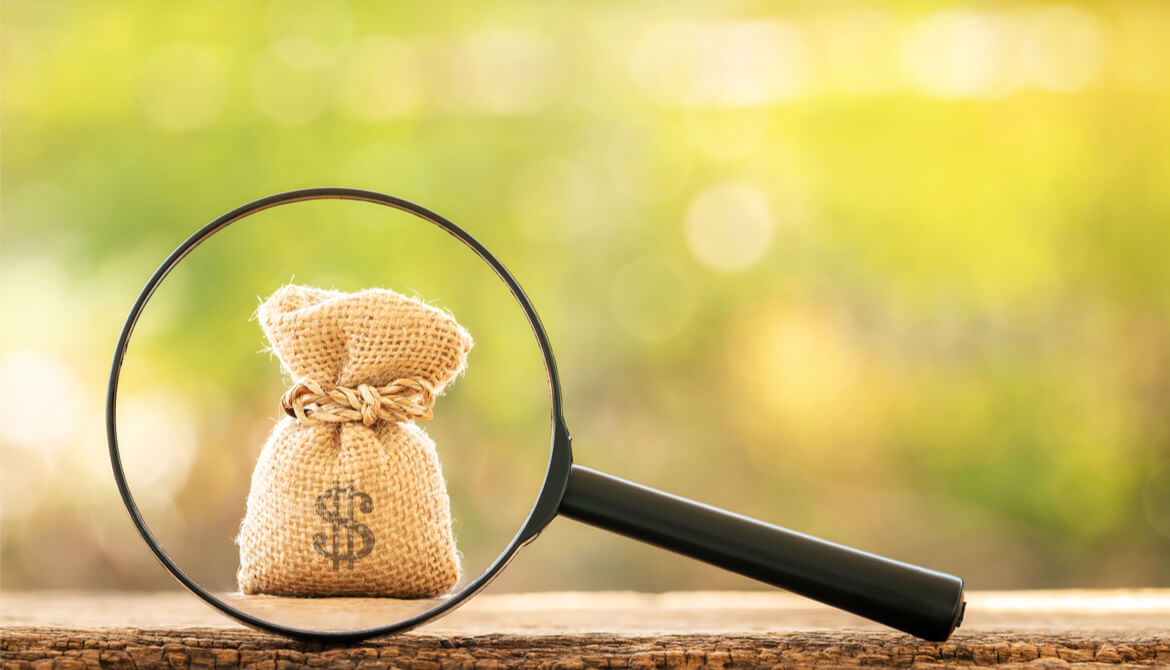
(348,498)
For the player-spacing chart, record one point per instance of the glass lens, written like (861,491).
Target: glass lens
(199,396)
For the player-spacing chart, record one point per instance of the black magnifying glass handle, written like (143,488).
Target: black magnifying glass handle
(915,600)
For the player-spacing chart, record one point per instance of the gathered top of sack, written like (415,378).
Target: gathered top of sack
(373,337)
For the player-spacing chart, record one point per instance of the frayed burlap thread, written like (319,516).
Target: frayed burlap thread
(348,497)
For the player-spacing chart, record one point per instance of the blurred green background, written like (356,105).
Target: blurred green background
(894,275)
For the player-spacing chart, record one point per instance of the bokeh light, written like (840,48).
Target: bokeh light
(384,79)
(310,35)
(729,226)
(44,414)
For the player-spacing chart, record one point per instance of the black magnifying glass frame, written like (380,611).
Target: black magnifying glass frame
(916,600)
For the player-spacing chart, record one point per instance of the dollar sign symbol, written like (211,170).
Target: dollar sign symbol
(329,508)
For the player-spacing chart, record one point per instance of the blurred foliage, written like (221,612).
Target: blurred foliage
(896,276)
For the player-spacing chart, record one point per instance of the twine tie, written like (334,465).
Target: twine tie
(312,401)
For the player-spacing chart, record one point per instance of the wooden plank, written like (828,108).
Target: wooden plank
(593,630)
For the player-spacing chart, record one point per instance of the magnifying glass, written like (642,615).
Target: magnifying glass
(922,602)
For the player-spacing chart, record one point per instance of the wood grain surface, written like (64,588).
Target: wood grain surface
(592,630)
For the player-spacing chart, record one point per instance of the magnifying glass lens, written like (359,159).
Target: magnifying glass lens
(412,438)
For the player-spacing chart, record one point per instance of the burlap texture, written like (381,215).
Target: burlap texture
(317,485)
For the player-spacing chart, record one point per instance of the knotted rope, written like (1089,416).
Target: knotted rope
(312,401)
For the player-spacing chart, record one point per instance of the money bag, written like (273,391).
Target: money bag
(348,497)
